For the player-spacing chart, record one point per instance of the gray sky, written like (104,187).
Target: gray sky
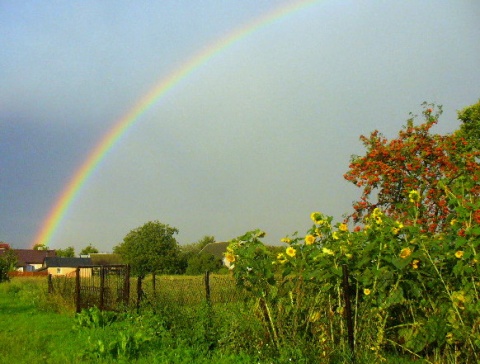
(257,137)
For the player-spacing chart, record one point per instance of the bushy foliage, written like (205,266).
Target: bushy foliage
(88,250)
(203,262)
(93,318)
(8,260)
(413,260)
(416,160)
(151,248)
(68,252)
(191,262)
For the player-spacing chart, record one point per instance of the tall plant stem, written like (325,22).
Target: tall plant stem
(264,303)
(450,297)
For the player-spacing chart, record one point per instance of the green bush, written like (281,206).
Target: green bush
(202,262)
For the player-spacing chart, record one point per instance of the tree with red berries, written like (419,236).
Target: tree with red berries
(417,160)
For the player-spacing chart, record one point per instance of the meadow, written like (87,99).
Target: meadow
(37,326)
(411,295)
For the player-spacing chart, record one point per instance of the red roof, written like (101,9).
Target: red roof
(4,246)
(30,256)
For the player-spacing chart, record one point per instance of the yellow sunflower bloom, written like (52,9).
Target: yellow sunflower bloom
(230,257)
(309,239)
(343,227)
(328,251)
(459,254)
(405,252)
(414,196)
(316,216)
(366,291)
(286,240)
(281,258)
(291,251)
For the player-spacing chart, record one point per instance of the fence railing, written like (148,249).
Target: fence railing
(113,289)
(187,290)
(104,286)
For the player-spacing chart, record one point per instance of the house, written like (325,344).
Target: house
(61,266)
(218,250)
(29,260)
(4,246)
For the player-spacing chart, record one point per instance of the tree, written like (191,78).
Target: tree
(88,250)
(202,262)
(470,128)
(190,251)
(8,261)
(67,252)
(40,246)
(417,160)
(151,248)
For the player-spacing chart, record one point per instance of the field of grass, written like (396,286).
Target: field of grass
(29,333)
(37,327)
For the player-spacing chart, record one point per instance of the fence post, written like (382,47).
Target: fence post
(77,291)
(126,287)
(102,288)
(348,308)
(207,286)
(50,284)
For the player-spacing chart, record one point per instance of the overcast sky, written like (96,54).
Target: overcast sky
(257,137)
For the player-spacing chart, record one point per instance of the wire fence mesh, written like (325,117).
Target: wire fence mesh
(111,288)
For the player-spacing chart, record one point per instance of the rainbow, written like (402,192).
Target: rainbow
(81,175)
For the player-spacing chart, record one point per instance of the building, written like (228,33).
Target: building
(29,260)
(61,266)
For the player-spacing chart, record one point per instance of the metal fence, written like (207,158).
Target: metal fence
(104,286)
(111,288)
(187,290)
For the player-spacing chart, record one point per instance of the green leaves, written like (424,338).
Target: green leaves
(151,248)
(253,263)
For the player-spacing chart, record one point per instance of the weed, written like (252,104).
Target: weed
(94,318)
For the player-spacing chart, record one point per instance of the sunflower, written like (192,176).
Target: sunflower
(309,239)
(343,227)
(405,252)
(291,251)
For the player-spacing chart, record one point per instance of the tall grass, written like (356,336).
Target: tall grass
(177,327)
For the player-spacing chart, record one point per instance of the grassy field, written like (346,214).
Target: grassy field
(33,330)
(28,333)
(37,327)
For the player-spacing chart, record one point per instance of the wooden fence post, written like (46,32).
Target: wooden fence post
(207,286)
(50,284)
(126,287)
(348,308)
(102,288)
(77,291)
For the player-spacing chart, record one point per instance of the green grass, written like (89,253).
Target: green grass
(33,331)
(37,327)
(30,335)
